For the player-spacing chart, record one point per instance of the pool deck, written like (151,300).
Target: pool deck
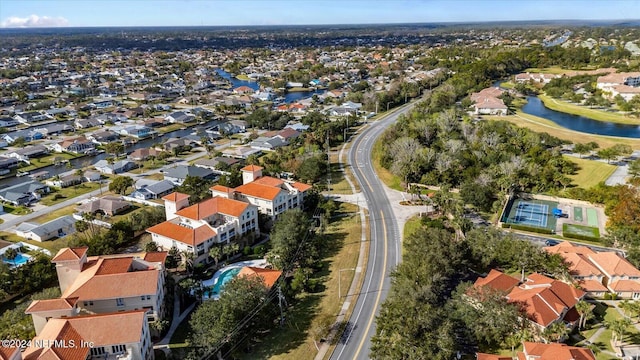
(261,263)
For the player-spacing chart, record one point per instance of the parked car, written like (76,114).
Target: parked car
(551,242)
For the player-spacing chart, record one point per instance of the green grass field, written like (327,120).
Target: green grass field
(591,172)
(569,230)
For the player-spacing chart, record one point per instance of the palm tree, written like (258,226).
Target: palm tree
(555,332)
(215,252)
(583,308)
(626,306)
(618,327)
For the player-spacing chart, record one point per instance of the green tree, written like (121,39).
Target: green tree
(584,310)
(10,254)
(312,169)
(120,184)
(634,168)
(215,252)
(196,187)
(287,235)
(151,246)
(114,148)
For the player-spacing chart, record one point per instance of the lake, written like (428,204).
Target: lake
(288,97)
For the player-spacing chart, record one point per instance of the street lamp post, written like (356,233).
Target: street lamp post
(339,282)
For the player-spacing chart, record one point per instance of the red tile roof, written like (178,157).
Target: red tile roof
(592,286)
(185,235)
(625,286)
(497,280)
(269,181)
(51,304)
(300,186)
(114,266)
(7,353)
(68,254)
(175,197)
(259,191)
(213,206)
(252,168)
(613,264)
(158,256)
(269,276)
(556,351)
(481,356)
(567,247)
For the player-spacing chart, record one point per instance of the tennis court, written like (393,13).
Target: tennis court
(536,213)
(592,217)
(577,213)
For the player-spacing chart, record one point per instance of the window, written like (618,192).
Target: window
(116,349)
(95,351)
(119,302)
(142,297)
(148,297)
(636,295)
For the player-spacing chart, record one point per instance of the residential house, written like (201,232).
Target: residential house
(265,143)
(24,193)
(103,104)
(199,227)
(7,163)
(545,300)
(27,153)
(7,122)
(553,351)
(28,135)
(53,229)
(86,123)
(108,205)
(103,137)
(483,356)
(65,180)
(121,335)
(91,176)
(625,84)
(32,117)
(241,90)
(111,283)
(12,352)
(155,190)
(272,196)
(240,152)
(137,131)
(217,163)
(144,154)
(288,134)
(487,102)
(535,77)
(55,129)
(180,117)
(298,126)
(182,144)
(76,145)
(117,167)
(598,273)
(240,124)
(178,174)
(268,276)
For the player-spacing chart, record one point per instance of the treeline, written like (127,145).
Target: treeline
(428,314)
(32,276)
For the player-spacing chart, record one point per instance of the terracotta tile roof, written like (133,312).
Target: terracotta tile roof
(114,266)
(252,168)
(158,256)
(185,235)
(259,191)
(213,206)
(51,304)
(175,197)
(102,329)
(481,356)
(269,276)
(592,286)
(301,186)
(7,353)
(269,181)
(613,264)
(579,265)
(222,189)
(555,351)
(91,286)
(567,247)
(497,281)
(68,254)
(625,286)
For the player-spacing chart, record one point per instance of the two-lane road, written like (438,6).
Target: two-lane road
(384,250)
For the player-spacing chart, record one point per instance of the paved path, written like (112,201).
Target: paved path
(177,319)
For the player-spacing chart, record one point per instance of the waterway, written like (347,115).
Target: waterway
(288,97)
(535,106)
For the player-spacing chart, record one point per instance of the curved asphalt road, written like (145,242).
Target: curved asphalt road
(384,250)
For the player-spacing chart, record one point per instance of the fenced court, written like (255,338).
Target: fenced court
(580,232)
(531,213)
(592,217)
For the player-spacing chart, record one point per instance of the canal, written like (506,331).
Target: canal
(535,106)
(288,97)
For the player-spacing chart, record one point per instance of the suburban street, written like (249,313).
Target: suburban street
(385,243)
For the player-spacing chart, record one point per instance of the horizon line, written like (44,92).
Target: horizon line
(461,22)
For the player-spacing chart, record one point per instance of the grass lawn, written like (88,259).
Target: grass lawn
(16,210)
(155,176)
(507,85)
(60,195)
(539,124)
(292,341)
(67,210)
(243,77)
(52,245)
(50,159)
(591,172)
(180,336)
(385,175)
(170,128)
(595,114)
(632,336)
(339,184)
(549,70)
(411,226)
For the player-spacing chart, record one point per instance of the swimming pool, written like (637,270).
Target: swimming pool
(215,284)
(21,259)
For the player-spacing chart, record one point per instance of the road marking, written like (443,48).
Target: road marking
(375,305)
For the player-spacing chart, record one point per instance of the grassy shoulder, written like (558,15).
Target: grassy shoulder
(591,172)
(294,339)
(385,175)
(595,114)
(539,124)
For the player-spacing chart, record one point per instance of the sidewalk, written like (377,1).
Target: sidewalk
(175,321)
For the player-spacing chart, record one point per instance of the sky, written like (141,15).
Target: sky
(80,13)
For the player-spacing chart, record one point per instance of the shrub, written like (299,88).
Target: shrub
(246,251)
(528,228)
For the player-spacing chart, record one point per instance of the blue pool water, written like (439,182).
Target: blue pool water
(224,278)
(21,259)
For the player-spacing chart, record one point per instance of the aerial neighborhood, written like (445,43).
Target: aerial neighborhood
(380,191)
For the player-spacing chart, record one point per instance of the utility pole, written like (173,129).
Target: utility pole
(282,303)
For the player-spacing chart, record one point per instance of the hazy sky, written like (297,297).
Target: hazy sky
(49,13)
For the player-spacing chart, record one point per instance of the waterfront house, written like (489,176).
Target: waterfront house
(56,228)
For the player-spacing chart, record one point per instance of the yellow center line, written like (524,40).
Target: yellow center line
(384,270)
